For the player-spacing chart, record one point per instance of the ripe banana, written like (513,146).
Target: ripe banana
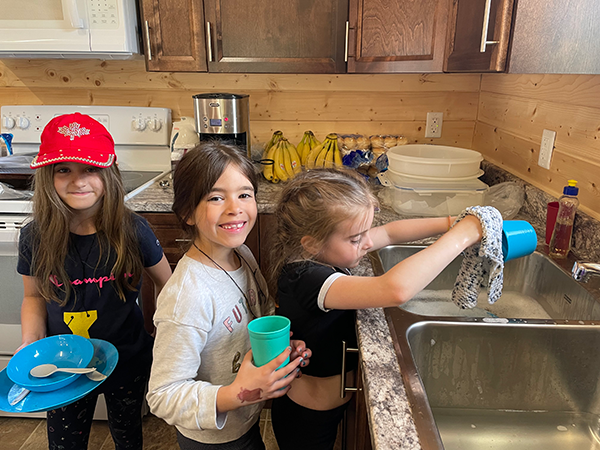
(337,156)
(296,162)
(279,167)
(320,161)
(312,156)
(276,136)
(310,143)
(304,142)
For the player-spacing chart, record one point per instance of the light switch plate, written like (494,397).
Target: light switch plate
(546,148)
(433,127)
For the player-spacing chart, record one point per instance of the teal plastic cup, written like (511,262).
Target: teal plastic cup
(269,336)
(518,239)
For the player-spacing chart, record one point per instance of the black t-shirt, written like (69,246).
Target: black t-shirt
(323,332)
(94,309)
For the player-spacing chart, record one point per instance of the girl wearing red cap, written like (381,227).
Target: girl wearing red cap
(82,257)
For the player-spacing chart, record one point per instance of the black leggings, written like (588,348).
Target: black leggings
(320,426)
(69,427)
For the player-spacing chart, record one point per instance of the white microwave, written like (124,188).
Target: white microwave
(102,29)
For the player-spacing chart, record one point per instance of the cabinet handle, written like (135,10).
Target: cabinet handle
(486,25)
(183,240)
(346,46)
(148,46)
(343,388)
(208,41)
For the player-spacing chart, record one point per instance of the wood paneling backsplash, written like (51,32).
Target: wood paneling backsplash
(515,109)
(366,104)
(500,115)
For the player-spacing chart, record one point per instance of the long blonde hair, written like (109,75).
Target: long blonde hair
(313,204)
(115,229)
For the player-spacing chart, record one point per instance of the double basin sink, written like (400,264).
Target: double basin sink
(523,373)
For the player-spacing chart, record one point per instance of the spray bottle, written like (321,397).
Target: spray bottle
(560,242)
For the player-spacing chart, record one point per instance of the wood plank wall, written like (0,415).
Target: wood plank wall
(365,104)
(515,109)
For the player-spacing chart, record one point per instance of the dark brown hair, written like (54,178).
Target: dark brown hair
(196,174)
(115,229)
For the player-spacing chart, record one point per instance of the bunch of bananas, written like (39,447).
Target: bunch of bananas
(286,161)
(308,142)
(327,155)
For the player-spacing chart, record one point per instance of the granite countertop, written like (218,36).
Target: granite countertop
(390,415)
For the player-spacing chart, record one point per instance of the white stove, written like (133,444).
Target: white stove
(142,138)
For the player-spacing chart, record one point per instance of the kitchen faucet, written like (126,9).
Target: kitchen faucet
(583,270)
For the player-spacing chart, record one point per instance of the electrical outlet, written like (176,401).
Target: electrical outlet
(433,128)
(546,148)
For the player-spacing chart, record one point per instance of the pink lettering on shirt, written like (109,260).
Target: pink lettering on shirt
(237,314)
(228,324)
(77,282)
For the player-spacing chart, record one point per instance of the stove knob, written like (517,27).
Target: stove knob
(23,123)
(155,124)
(8,122)
(138,124)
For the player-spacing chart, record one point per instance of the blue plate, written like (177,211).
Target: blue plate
(63,350)
(105,360)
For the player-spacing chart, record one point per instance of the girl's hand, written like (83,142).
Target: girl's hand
(299,350)
(256,384)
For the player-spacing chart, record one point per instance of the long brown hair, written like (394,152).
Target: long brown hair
(313,204)
(196,174)
(115,229)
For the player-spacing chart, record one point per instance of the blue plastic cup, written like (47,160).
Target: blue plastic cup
(269,336)
(518,239)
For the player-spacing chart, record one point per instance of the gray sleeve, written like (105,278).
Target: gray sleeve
(173,393)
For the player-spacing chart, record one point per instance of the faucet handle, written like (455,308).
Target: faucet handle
(581,271)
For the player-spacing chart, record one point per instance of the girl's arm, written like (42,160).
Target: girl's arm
(403,281)
(408,230)
(33,313)
(177,396)
(159,274)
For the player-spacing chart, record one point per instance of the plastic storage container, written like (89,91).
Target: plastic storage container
(427,199)
(398,178)
(560,242)
(437,161)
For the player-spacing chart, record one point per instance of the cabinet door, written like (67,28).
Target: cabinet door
(478,35)
(173,34)
(297,36)
(397,36)
(357,434)
(556,37)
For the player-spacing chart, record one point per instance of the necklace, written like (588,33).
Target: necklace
(242,260)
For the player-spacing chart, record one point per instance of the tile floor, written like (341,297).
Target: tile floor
(30,434)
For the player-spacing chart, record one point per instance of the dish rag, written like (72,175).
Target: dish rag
(483,263)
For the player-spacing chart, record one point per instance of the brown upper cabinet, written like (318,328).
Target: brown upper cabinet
(556,37)
(292,36)
(173,35)
(397,36)
(478,35)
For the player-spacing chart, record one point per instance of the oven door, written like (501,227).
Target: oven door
(44,26)
(11,294)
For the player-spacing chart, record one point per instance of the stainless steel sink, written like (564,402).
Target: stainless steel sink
(535,287)
(506,376)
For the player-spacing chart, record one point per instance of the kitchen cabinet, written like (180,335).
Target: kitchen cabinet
(556,37)
(168,231)
(357,434)
(400,36)
(297,36)
(173,35)
(478,35)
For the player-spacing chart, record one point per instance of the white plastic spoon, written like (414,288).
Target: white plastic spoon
(45,370)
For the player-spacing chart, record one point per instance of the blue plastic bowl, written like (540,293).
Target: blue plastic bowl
(64,350)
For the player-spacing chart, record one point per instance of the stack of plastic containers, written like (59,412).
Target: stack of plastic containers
(433,180)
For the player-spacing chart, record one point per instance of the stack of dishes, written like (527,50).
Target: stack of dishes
(433,180)
(60,388)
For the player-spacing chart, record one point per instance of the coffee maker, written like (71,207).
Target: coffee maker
(223,117)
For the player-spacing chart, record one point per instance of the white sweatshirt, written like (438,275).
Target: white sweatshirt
(201,340)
